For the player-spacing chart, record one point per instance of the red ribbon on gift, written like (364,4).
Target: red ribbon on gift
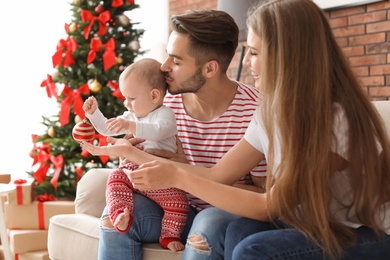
(45,197)
(20,181)
(63,55)
(116,93)
(51,87)
(72,97)
(102,18)
(41,215)
(19,190)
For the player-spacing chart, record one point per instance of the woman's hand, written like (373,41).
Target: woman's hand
(136,142)
(154,175)
(119,147)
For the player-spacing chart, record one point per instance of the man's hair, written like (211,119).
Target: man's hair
(213,35)
(149,70)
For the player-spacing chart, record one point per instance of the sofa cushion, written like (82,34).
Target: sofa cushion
(383,108)
(91,192)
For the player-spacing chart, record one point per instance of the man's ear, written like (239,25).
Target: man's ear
(156,95)
(210,68)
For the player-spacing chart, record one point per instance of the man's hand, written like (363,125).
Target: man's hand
(179,156)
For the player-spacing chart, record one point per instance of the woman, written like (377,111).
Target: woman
(328,185)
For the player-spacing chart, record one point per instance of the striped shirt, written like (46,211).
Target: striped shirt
(205,142)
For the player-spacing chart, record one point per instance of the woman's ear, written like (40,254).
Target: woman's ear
(156,95)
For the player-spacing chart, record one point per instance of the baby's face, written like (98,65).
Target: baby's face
(140,97)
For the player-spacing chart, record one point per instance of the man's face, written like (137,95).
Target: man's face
(181,72)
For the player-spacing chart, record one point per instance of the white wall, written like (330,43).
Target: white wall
(30,31)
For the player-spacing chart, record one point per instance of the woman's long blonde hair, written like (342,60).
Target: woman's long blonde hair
(304,73)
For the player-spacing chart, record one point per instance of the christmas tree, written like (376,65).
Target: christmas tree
(100,42)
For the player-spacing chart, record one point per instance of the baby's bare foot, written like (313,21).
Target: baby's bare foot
(175,246)
(122,221)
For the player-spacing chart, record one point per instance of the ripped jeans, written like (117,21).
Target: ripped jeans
(207,235)
(146,228)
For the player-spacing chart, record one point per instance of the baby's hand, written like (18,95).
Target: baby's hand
(90,105)
(117,124)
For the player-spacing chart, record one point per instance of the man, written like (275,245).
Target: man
(212,114)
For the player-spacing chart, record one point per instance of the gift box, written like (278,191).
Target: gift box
(35,215)
(23,193)
(5,178)
(37,255)
(24,240)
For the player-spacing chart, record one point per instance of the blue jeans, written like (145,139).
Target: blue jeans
(146,228)
(210,224)
(250,239)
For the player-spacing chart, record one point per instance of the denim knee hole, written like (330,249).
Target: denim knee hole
(105,223)
(198,243)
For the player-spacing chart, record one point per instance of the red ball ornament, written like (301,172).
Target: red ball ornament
(83,131)
(99,9)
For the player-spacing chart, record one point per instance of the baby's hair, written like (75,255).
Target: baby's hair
(149,70)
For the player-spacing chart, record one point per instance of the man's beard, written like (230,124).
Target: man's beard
(190,85)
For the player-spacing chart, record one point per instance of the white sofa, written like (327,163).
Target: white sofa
(76,236)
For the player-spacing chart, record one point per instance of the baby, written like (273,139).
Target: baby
(143,86)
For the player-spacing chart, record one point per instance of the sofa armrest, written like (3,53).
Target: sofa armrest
(383,108)
(91,192)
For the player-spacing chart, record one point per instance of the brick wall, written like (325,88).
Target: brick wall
(363,33)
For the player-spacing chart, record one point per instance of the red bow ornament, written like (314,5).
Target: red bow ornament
(94,47)
(116,91)
(109,56)
(63,55)
(51,87)
(102,18)
(44,159)
(118,3)
(58,162)
(102,142)
(72,97)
